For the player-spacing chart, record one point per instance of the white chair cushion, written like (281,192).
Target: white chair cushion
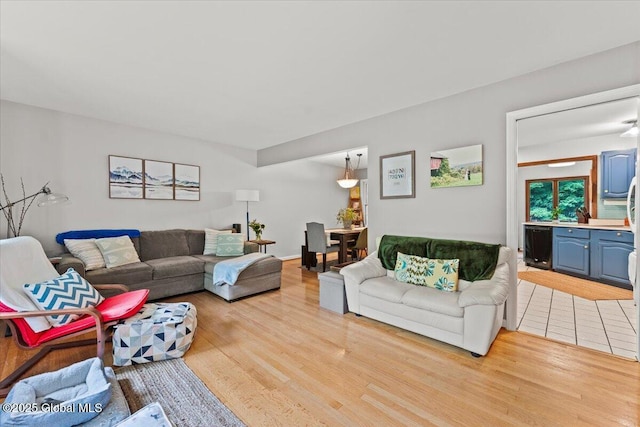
(23,261)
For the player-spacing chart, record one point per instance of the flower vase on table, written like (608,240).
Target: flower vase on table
(257,228)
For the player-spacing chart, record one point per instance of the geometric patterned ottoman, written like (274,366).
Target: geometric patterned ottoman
(158,331)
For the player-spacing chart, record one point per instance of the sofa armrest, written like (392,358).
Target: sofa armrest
(487,292)
(69,261)
(368,268)
(355,274)
(250,247)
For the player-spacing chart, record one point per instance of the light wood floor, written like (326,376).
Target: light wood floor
(278,359)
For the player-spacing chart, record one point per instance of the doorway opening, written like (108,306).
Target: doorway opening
(544,301)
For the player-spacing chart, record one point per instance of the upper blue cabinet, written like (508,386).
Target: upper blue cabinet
(618,168)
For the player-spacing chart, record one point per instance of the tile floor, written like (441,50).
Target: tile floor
(607,326)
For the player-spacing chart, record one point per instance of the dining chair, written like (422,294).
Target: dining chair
(22,261)
(317,242)
(360,246)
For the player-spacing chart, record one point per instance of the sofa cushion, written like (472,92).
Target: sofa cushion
(195,239)
(385,288)
(87,251)
(264,266)
(175,266)
(444,275)
(126,274)
(163,244)
(117,251)
(230,245)
(211,240)
(431,299)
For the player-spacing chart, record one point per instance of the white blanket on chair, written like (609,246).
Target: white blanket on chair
(226,272)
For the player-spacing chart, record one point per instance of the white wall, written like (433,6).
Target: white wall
(42,145)
(474,117)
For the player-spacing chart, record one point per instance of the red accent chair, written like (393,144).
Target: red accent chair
(27,253)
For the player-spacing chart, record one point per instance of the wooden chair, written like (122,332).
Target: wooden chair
(22,260)
(360,246)
(317,242)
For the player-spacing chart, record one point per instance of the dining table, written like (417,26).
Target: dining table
(344,236)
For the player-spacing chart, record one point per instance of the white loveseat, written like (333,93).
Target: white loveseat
(469,318)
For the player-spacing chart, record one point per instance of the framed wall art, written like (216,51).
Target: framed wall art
(397,175)
(158,180)
(125,178)
(457,167)
(187,182)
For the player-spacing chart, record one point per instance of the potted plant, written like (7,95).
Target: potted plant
(257,228)
(346,216)
(555,214)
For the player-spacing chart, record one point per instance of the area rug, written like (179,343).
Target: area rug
(184,398)
(575,286)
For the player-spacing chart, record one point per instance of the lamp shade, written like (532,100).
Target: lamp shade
(247,195)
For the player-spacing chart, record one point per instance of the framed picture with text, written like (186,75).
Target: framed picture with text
(398,176)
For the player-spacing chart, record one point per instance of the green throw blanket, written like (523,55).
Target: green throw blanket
(477,260)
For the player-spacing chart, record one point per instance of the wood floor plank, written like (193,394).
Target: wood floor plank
(279,359)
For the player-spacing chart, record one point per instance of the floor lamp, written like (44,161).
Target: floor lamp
(247,196)
(49,198)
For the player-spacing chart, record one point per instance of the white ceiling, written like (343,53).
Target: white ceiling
(257,74)
(580,123)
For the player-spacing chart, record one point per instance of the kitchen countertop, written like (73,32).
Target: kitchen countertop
(576,225)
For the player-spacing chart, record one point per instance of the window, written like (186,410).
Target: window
(568,194)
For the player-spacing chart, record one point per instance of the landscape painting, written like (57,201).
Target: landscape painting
(457,167)
(125,178)
(158,180)
(187,182)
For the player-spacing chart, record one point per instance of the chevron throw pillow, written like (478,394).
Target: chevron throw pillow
(67,291)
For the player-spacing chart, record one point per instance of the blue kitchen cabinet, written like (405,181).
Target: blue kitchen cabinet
(618,168)
(609,256)
(571,250)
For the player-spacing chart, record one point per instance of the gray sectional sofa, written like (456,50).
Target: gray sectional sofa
(171,263)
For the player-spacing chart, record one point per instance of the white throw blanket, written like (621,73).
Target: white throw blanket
(226,272)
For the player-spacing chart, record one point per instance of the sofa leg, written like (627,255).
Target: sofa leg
(475,354)
(358,314)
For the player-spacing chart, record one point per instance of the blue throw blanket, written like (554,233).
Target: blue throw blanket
(96,234)
(226,272)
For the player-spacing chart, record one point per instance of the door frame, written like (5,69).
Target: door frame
(512,175)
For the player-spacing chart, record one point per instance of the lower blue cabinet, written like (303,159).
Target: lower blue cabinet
(610,256)
(601,255)
(571,250)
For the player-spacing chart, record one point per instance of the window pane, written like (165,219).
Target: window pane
(570,198)
(540,200)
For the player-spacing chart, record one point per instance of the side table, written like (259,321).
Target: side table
(263,244)
(332,295)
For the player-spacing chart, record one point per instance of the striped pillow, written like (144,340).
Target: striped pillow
(211,240)
(67,291)
(87,251)
(230,244)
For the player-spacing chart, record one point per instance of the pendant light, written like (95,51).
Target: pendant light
(349,179)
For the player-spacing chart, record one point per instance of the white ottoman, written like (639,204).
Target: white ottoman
(158,331)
